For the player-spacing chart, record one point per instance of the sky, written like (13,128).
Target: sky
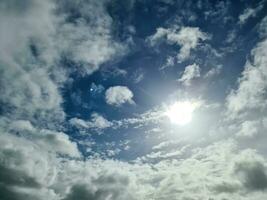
(133,99)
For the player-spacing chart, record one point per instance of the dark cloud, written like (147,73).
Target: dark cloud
(104,187)
(225,188)
(253,175)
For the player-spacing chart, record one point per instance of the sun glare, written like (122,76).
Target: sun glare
(181,112)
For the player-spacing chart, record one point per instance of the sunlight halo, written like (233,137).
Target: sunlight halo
(181,112)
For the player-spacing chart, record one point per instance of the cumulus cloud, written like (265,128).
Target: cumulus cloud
(35,38)
(191,72)
(118,95)
(97,122)
(188,38)
(50,140)
(26,169)
(220,168)
(26,75)
(251,92)
(250,169)
(88,40)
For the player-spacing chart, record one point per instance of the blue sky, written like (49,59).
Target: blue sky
(134,99)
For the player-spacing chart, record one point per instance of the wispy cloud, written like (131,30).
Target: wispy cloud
(188,38)
(191,72)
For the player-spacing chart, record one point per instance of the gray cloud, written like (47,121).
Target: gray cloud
(104,187)
(253,175)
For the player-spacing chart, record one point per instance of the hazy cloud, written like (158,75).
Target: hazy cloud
(190,72)
(249,13)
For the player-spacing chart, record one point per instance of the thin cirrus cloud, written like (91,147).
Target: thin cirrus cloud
(191,72)
(249,13)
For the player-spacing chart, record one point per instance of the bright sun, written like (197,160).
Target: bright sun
(181,112)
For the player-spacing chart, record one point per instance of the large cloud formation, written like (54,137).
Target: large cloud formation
(38,161)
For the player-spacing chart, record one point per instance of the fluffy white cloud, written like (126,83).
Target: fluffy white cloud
(191,72)
(246,104)
(97,122)
(216,171)
(34,37)
(251,92)
(27,86)
(87,41)
(49,140)
(118,95)
(187,38)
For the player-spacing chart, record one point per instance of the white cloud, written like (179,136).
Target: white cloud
(27,85)
(118,95)
(249,129)
(215,171)
(188,38)
(34,36)
(249,13)
(250,95)
(26,170)
(97,122)
(191,72)
(153,116)
(88,40)
(49,140)
(165,144)
(32,142)
(251,90)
